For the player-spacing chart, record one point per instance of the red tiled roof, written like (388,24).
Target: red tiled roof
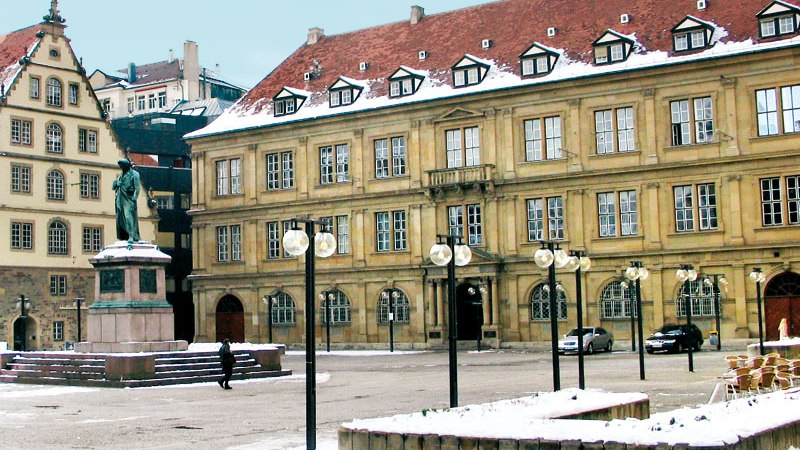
(13,47)
(512,25)
(141,159)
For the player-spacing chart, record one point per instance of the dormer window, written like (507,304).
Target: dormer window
(343,92)
(469,71)
(537,60)
(612,47)
(288,101)
(778,19)
(404,82)
(692,34)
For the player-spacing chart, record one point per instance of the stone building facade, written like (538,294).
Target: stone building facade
(511,123)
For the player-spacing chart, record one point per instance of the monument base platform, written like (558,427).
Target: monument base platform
(131,347)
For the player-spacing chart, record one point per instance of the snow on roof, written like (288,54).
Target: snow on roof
(13,47)
(513,26)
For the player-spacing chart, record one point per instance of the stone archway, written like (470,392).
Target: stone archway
(230,319)
(782,300)
(24,334)
(469,313)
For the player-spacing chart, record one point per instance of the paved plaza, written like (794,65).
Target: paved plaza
(270,414)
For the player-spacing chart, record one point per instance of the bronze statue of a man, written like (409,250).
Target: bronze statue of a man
(127,187)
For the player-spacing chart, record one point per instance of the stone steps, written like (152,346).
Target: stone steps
(89,369)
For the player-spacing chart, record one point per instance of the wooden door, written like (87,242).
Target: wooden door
(230,319)
(775,309)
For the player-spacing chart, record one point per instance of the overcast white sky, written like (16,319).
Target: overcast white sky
(248,38)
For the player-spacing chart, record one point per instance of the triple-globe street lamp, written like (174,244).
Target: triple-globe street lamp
(296,242)
(687,273)
(635,274)
(449,251)
(391,295)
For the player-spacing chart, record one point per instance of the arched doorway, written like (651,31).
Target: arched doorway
(782,300)
(469,313)
(230,319)
(24,334)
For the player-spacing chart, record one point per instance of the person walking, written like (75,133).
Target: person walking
(227,359)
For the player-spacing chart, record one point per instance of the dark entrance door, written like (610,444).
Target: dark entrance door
(782,301)
(23,330)
(470,312)
(230,319)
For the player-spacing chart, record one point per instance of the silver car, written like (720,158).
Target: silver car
(594,338)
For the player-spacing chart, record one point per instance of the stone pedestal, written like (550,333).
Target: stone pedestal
(130,313)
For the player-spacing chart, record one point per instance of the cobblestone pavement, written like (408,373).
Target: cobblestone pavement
(270,414)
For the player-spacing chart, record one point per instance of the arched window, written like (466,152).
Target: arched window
(540,303)
(615,301)
(53,92)
(54,143)
(284,311)
(701,295)
(400,306)
(339,306)
(57,238)
(55,185)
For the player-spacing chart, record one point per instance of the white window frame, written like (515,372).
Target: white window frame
(541,145)
(540,304)
(700,117)
(21,236)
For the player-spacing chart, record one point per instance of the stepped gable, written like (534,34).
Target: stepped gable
(512,25)
(13,47)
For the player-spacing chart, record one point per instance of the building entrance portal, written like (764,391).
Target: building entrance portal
(470,312)
(24,331)
(782,301)
(230,319)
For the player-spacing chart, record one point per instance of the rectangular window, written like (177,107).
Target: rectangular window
(20,178)
(547,145)
(767,112)
(21,236)
(342,235)
(394,89)
(682,118)
(381,158)
(390,157)
(347,97)
(58,330)
(339,153)
(767,28)
(790,105)
(222,244)
(607,214)
(151,101)
(92,239)
(684,209)
(391,231)
(768,106)
(162,99)
(58,285)
(604,131)
(537,220)
(273,240)
(474,223)
(21,132)
(771,208)
(229,176)
(90,185)
(624,219)
(140,102)
(131,104)
(87,141)
(74,89)
(468,154)
(280,171)
(236,242)
(707,206)
(555,218)
(34,87)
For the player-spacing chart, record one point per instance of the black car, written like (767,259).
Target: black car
(674,338)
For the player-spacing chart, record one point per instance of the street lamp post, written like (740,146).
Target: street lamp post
(269,300)
(684,274)
(24,305)
(451,253)
(635,274)
(391,295)
(552,257)
(295,243)
(78,301)
(758,277)
(325,298)
(714,285)
(579,262)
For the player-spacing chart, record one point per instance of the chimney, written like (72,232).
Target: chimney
(191,70)
(131,73)
(171,56)
(314,35)
(417,13)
